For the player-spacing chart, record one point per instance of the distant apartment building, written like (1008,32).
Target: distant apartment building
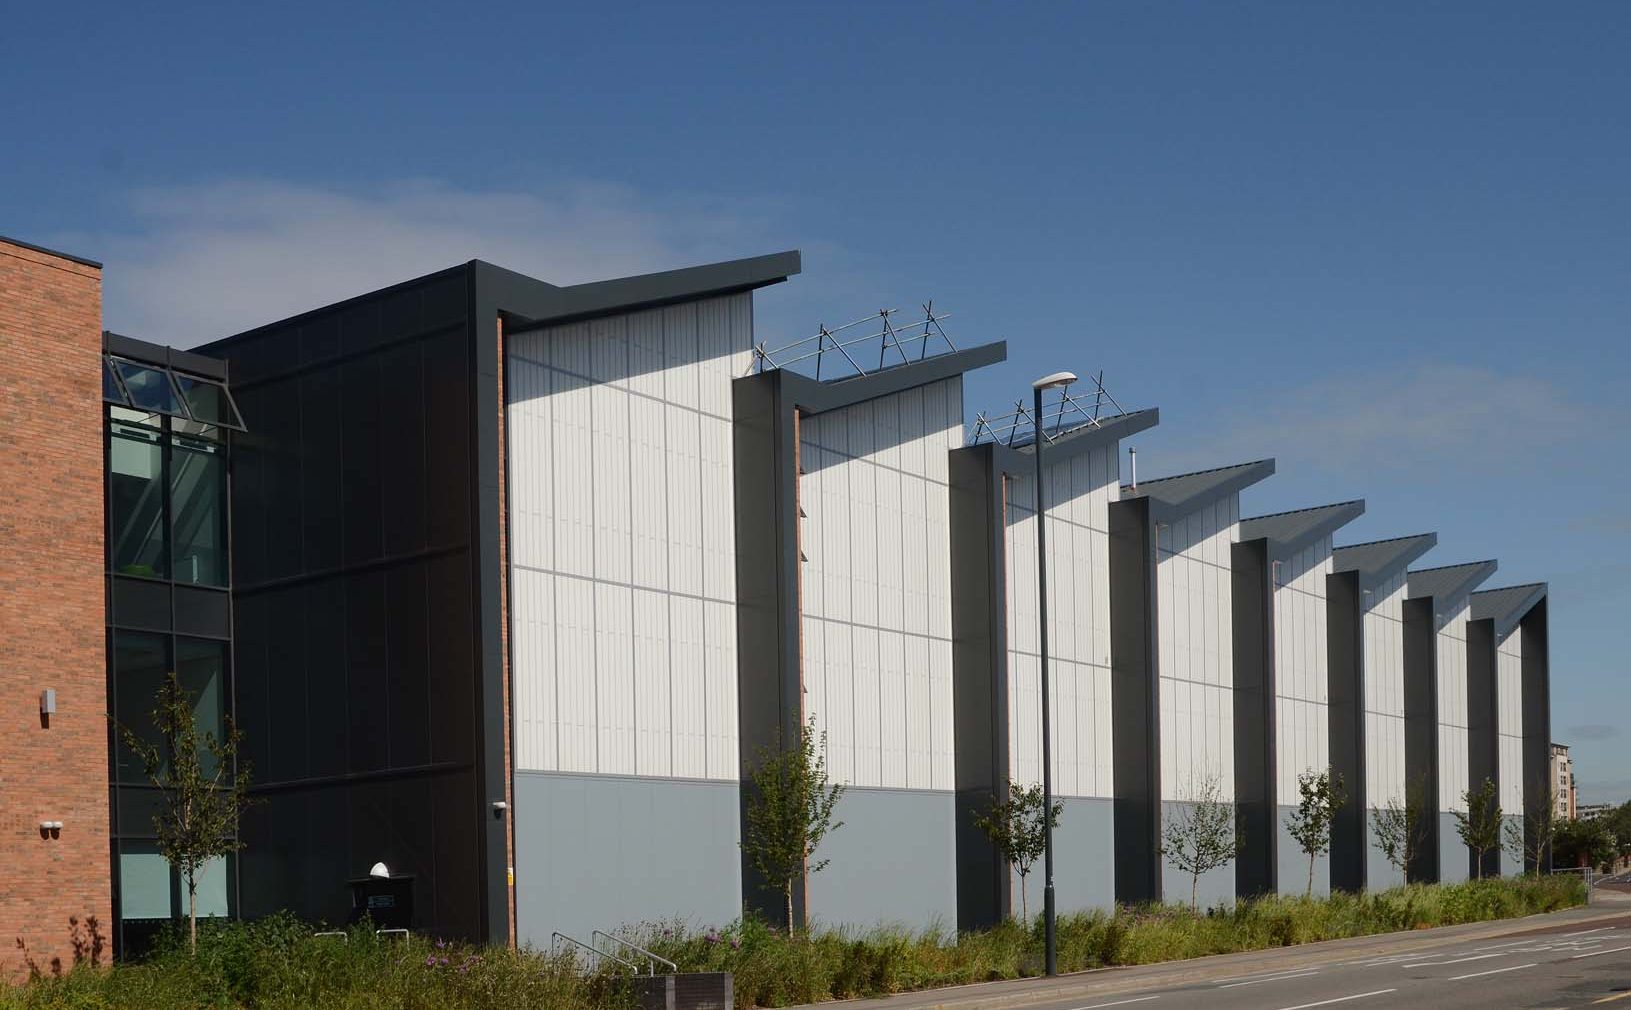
(1562,782)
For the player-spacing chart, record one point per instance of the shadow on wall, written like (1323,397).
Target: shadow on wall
(85,938)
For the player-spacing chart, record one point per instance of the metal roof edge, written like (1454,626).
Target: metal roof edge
(43,250)
(812,397)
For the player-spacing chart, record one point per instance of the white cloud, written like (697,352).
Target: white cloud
(1406,418)
(207,261)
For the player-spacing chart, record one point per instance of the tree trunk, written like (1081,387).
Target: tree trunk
(192,912)
(1310,892)
(1194,892)
(1024,905)
(787,892)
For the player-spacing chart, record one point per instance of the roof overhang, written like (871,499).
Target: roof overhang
(1506,606)
(1449,584)
(550,305)
(1290,532)
(811,396)
(1173,498)
(1110,430)
(1380,560)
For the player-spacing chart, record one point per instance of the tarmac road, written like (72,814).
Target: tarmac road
(1577,958)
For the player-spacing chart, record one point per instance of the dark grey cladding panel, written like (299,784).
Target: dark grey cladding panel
(1379,560)
(1289,532)
(1135,722)
(1421,757)
(1483,731)
(1537,722)
(1449,583)
(1175,497)
(1256,869)
(1345,648)
(810,396)
(1506,606)
(1017,459)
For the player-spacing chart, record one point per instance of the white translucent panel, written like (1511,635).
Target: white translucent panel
(614,678)
(682,465)
(688,665)
(653,701)
(619,470)
(575,676)
(532,646)
(719,651)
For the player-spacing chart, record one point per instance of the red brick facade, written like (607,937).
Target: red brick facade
(52,619)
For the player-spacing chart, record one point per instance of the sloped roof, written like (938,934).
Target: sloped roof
(1178,496)
(1506,606)
(1018,458)
(1450,582)
(1379,560)
(1289,532)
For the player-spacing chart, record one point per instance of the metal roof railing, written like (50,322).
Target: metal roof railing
(1069,414)
(850,355)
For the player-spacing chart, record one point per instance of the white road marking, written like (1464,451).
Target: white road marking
(1496,971)
(1583,932)
(1268,974)
(1339,999)
(1458,960)
(1119,1002)
(1594,953)
(1274,978)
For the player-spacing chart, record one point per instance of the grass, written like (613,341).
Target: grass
(277,964)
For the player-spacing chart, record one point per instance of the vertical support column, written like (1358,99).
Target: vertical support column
(1257,867)
(1345,643)
(1537,725)
(768,682)
(979,677)
(1483,746)
(1134,700)
(1421,732)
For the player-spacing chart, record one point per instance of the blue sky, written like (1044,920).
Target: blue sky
(1385,243)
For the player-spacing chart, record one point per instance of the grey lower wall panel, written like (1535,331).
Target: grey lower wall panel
(1453,861)
(1216,887)
(1379,873)
(893,862)
(1511,862)
(1084,860)
(1293,861)
(604,851)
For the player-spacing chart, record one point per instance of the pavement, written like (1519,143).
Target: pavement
(1579,957)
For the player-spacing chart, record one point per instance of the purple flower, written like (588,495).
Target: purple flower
(430,962)
(712,937)
(736,943)
(441,944)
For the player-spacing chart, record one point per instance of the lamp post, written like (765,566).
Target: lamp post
(1058,380)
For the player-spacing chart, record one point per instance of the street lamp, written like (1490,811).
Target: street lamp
(1058,380)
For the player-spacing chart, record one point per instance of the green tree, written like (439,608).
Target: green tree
(1201,837)
(1586,841)
(1529,841)
(1018,831)
(1320,796)
(791,811)
(203,787)
(1401,830)
(1480,824)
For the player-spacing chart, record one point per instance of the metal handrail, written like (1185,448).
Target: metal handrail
(652,959)
(557,937)
(342,934)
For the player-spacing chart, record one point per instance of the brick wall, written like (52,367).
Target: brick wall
(52,624)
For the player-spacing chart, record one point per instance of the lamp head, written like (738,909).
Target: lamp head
(1054,381)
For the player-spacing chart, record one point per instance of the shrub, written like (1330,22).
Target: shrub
(278,964)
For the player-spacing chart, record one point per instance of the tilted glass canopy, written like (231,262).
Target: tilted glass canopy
(160,390)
